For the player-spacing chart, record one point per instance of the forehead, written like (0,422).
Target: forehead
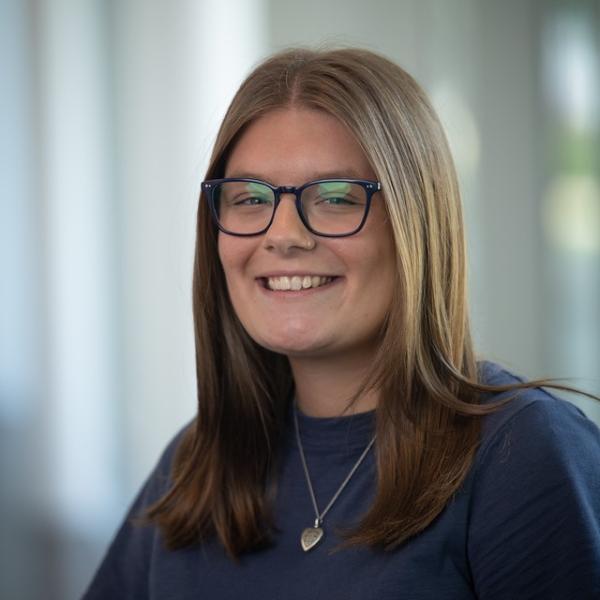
(293,145)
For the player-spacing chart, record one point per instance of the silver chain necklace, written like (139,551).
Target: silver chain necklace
(311,536)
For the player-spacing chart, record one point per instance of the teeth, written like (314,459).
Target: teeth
(296,282)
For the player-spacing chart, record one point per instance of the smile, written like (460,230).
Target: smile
(296,282)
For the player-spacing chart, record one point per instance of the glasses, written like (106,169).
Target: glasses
(327,207)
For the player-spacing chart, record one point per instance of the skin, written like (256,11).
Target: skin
(329,334)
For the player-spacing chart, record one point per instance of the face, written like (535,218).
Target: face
(354,274)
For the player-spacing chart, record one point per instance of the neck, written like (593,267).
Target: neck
(324,388)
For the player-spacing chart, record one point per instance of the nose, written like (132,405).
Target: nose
(287,230)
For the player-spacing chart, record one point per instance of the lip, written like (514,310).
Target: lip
(290,294)
(294,274)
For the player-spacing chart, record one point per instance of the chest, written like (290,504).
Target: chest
(431,566)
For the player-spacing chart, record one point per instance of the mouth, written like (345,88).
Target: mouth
(295,283)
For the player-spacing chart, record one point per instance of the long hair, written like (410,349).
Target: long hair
(430,393)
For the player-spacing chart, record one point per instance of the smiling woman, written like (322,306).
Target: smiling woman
(348,444)
(355,269)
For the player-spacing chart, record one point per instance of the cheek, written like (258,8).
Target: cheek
(226,254)
(233,254)
(378,267)
(232,261)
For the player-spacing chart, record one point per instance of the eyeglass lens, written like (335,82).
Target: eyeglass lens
(332,207)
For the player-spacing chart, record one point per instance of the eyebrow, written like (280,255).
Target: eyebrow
(337,174)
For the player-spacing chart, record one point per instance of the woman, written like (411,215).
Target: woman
(347,443)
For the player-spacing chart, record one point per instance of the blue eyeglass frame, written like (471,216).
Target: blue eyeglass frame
(208,187)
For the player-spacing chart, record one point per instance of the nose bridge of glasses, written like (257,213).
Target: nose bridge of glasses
(284,190)
(291,210)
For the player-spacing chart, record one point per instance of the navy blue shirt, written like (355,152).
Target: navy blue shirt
(525,523)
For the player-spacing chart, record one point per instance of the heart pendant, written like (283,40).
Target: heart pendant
(311,536)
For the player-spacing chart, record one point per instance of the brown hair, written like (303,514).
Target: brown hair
(428,425)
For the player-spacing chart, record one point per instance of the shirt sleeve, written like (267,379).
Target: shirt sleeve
(534,529)
(124,570)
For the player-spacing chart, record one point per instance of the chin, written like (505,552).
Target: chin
(295,346)
(286,335)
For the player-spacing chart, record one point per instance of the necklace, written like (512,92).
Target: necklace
(311,536)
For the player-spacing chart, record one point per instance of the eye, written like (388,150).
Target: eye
(251,201)
(338,200)
(335,194)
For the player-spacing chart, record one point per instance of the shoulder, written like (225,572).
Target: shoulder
(160,479)
(123,572)
(536,410)
(538,439)
(170,450)
(534,511)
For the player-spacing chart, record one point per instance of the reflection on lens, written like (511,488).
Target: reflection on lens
(334,207)
(334,187)
(244,206)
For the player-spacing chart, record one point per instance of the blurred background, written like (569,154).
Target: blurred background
(109,110)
